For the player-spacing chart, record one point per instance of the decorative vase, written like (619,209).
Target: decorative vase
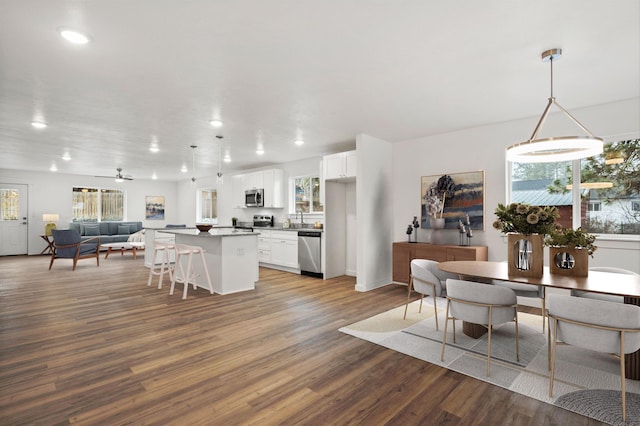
(525,254)
(569,261)
(437,225)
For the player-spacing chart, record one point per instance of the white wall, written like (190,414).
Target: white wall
(374,200)
(51,193)
(483,148)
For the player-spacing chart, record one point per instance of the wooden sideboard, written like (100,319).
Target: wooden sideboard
(404,253)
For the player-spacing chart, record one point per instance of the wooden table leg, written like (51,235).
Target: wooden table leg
(49,248)
(108,251)
(473,330)
(134,253)
(632,360)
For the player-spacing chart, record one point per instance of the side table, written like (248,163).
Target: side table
(49,248)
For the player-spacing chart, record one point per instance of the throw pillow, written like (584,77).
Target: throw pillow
(92,231)
(123,229)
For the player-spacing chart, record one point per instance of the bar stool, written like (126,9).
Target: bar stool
(190,276)
(165,266)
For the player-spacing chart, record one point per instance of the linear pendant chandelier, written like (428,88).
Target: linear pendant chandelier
(559,148)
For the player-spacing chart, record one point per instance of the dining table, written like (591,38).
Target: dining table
(624,285)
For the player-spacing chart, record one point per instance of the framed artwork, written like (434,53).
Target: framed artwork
(453,197)
(154,207)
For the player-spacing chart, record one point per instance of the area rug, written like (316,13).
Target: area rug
(586,382)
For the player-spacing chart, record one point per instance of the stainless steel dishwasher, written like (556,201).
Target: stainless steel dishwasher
(309,253)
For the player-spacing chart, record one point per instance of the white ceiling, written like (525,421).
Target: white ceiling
(274,71)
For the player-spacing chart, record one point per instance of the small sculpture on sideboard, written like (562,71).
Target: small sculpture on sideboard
(409,232)
(416,225)
(464,228)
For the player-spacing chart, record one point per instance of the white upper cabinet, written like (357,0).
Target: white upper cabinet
(255,180)
(272,181)
(238,186)
(273,188)
(340,166)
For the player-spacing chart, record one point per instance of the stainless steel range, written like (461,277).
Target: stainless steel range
(262,221)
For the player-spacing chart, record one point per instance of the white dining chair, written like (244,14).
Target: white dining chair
(482,304)
(597,325)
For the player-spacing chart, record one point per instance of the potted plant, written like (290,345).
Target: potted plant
(525,226)
(569,251)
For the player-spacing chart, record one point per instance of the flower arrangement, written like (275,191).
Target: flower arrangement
(437,194)
(573,239)
(433,203)
(526,219)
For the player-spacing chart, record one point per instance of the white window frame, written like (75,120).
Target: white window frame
(199,218)
(99,190)
(292,197)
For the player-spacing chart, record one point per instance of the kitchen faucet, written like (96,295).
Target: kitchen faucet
(301,217)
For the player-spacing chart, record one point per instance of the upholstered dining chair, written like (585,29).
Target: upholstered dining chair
(602,296)
(527,290)
(67,244)
(482,304)
(427,280)
(596,325)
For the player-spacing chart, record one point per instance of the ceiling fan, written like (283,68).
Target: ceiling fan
(119,177)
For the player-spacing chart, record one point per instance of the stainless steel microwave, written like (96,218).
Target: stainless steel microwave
(254,198)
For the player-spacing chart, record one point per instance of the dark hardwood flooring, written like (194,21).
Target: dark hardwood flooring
(97,346)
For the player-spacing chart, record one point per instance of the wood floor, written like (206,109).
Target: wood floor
(97,346)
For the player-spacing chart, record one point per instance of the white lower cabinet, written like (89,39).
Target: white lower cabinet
(264,247)
(278,248)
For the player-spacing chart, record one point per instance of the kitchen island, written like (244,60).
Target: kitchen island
(231,256)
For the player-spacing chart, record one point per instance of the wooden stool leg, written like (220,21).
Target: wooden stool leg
(206,271)
(188,276)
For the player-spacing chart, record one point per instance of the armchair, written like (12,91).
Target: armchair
(68,244)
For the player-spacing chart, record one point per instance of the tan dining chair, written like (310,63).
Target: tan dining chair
(484,304)
(596,325)
(530,291)
(427,280)
(603,296)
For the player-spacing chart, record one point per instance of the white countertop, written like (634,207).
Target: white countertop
(213,232)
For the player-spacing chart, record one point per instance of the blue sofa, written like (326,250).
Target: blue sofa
(109,232)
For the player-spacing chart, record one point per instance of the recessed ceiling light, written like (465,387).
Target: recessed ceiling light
(227,159)
(259,151)
(39,124)
(154,176)
(216,123)
(299,142)
(53,168)
(73,36)
(154,148)
(66,156)
(184,169)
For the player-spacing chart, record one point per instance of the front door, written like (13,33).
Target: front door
(13,219)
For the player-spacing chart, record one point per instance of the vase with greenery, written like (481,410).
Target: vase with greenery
(569,251)
(572,238)
(525,226)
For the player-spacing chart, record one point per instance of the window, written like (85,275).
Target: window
(306,194)
(208,206)
(609,188)
(9,204)
(94,205)
(594,206)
